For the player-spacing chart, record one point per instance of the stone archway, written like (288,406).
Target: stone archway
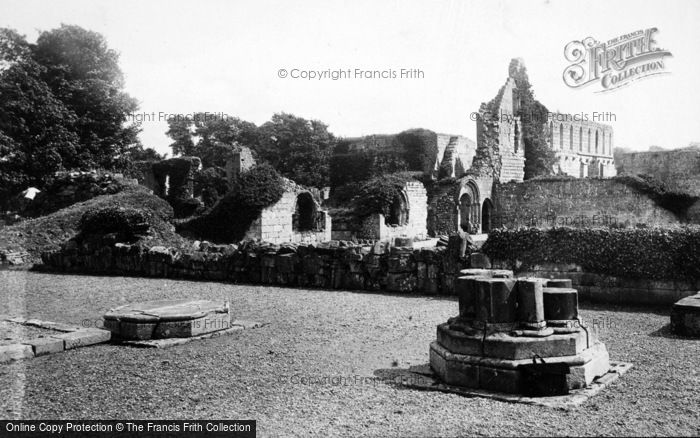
(486,215)
(465,203)
(398,213)
(469,217)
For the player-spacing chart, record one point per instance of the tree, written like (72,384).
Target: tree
(83,72)
(540,158)
(61,107)
(211,137)
(300,149)
(36,128)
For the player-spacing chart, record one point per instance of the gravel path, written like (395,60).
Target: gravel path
(321,337)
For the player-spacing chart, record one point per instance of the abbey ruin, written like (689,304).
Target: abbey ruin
(455,184)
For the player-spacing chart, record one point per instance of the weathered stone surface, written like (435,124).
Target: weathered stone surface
(582,375)
(560,303)
(530,300)
(685,316)
(83,338)
(131,330)
(43,346)
(458,342)
(504,375)
(167,318)
(467,293)
(503,325)
(496,300)
(194,327)
(502,345)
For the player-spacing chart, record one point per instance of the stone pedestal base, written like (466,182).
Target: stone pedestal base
(503,375)
(685,316)
(167,319)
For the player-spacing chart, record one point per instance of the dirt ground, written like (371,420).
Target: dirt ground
(316,368)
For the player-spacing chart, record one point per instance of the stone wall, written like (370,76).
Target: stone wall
(500,151)
(680,168)
(451,204)
(577,203)
(608,289)
(333,265)
(277,223)
(169,179)
(583,148)
(446,155)
(377,227)
(240,160)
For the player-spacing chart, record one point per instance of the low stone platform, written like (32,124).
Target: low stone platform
(164,319)
(516,335)
(172,342)
(685,316)
(423,378)
(58,337)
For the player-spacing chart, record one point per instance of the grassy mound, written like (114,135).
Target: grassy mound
(45,233)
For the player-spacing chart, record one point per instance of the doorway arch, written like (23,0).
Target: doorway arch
(304,213)
(469,207)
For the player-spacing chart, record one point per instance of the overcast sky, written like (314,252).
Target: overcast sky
(225,56)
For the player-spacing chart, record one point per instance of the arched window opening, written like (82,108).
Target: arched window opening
(580,139)
(571,138)
(470,209)
(486,211)
(305,213)
(561,136)
(589,141)
(465,205)
(596,141)
(398,213)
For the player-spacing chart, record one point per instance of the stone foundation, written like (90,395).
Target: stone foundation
(505,326)
(331,265)
(685,317)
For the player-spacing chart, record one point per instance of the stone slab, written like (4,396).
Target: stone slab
(504,346)
(84,338)
(685,316)
(171,342)
(423,378)
(165,310)
(44,346)
(167,318)
(194,327)
(50,325)
(131,329)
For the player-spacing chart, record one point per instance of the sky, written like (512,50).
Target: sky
(181,57)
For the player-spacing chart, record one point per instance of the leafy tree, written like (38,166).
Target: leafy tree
(148,154)
(83,72)
(61,107)
(540,158)
(36,128)
(300,149)
(210,137)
